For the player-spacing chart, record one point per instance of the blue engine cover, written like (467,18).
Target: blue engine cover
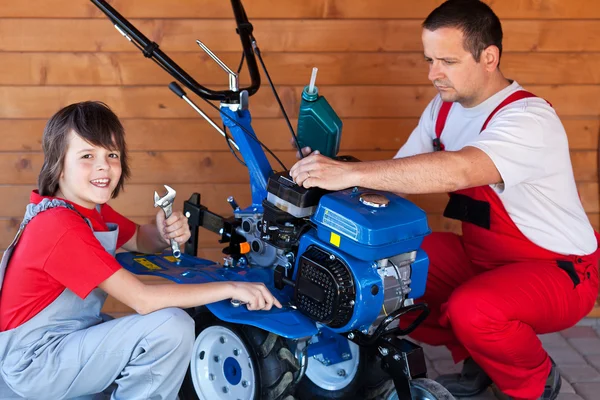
(368,300)
(367,232)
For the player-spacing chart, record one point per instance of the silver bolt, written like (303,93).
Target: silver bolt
(341,372)
(217,358)
(225,389)
(351,336)
(397,357)
(211,377)
(332,257)
(236,352)
(352,302)
(222,339)
(245,384)
(187,214)
(383,351)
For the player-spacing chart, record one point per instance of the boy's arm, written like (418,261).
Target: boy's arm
(144,299)
(149,239)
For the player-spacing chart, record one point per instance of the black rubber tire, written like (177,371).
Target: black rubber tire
(432,389)
(273,363)
(370,382)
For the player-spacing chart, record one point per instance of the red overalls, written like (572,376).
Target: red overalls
(492,290)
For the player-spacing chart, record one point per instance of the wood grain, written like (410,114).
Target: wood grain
(32,102)
(374,35)
(349,68)
(293,9)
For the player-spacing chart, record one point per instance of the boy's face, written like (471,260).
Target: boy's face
(452,69)
(90,173)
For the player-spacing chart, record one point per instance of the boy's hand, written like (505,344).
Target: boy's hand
(175,227)
(255,295)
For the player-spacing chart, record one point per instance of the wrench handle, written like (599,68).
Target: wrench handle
(175,248)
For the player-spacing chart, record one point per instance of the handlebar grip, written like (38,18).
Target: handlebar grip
(175,88)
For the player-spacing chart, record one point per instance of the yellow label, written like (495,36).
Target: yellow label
(335,239)
(170,258)
(148,264)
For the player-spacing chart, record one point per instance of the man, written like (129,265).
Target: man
(526,262)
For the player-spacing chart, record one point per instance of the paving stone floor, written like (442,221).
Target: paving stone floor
(576,351)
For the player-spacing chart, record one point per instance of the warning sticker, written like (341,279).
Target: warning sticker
(170,259)
(148,264)
(334,239)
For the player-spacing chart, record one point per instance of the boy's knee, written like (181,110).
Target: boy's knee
(179,327)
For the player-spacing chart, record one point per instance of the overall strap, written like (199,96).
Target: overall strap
(34,209)
(521,94)
(440,124)
(31,211)
(445,110)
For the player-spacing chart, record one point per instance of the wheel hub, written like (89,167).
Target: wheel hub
(221,365)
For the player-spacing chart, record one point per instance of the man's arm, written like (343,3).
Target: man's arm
(438,172)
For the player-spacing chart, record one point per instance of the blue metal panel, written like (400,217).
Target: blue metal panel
(253,154)
(418,276)
(366,232)
(332,346)
(286,322)
(367,305)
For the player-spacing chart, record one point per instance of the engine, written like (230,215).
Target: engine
(348,258)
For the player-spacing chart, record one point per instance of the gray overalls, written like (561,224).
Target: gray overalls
(68,351)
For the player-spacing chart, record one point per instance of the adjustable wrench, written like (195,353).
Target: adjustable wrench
(166,203)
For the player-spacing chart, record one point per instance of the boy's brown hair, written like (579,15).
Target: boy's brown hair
(94,122)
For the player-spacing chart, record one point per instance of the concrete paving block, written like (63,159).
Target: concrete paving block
(447,366)
(588,346)
(487,395)
(432,373)
(594,361)
(579,332)
(569,396)
(588,390)
(436,352)
(595,322)
(566,356)
(579,373)
(553,340)
(566,387)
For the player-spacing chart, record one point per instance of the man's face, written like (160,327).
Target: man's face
(452,69)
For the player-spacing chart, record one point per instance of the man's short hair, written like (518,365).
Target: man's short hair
(94,122)
(480,25)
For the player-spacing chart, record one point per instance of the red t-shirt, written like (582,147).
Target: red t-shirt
(58,250)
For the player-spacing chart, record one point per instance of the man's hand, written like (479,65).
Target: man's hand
(305,150)
(317,170)
(175,227)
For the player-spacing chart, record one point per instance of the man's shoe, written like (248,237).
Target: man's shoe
(551,390)
(471,381)
(553,383)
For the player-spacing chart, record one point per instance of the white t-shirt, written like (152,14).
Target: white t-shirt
(528,144)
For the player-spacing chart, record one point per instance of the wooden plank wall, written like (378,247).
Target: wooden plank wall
(371,69)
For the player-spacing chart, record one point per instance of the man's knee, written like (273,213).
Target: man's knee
(472,312)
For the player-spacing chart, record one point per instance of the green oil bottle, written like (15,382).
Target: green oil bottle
(319,127)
